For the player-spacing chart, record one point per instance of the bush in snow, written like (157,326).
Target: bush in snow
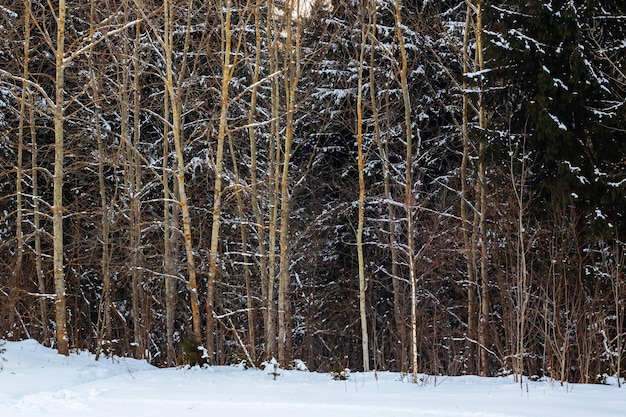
(190,354)
(299,365)
(342,375)
(2,351)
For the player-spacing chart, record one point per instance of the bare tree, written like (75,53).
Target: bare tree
(254,190)
(474,230)
(392,244)
(408,187)
(485,308)
(103,327)
(57,205)
(519,171)
(292,71)
(227,73)
(16,274)
(174,91)
(273,182)
(361,157)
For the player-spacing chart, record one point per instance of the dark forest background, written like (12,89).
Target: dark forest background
(436,186)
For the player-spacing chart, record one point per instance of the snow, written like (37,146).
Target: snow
(9,12)
(558,122)
(35,381)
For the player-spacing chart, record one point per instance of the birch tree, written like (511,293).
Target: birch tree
(57,106)
(227,73)
(408,187)
(361,156)
(58,111)
(174,91)
(291,68)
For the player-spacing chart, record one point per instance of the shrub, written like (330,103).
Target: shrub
(2,351)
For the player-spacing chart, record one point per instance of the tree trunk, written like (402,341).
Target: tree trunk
(361,205)
(227,71)
(469,245)
(57,205)
(175,104)
(260,222)
(408,190)
(16,274)
(249,347)
(103,327)
(485,308)
(275,156)
(170,216)
(291,67)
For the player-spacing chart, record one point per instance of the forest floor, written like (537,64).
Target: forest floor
(35,381)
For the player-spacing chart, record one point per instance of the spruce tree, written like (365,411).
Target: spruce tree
(558,93)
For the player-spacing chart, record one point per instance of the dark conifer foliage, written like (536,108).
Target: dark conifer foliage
(564,97)
(513,233)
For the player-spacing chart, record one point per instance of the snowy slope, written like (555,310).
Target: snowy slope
(35,381)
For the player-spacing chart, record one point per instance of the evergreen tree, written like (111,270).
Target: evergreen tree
(559,93)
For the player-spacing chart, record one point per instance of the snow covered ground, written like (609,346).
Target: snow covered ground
(35,381)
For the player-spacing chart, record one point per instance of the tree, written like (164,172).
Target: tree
(408,190)
(227,73)
(361,157)
(292,68)
(57,206)
(174,91)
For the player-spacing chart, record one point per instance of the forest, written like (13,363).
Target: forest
(433,186)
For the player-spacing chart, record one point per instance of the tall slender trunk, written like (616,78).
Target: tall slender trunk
(275,155)
(244,249)
(485,308)
(522,287)
(174,93)
(361,205)
(170,216)
(260,222)
(62,338)
(132,185)
(227,71)
(617,280)
(469,243)
(103,327)
(292,77)
(16,274)
(408,190)
(396,281)
(41,282)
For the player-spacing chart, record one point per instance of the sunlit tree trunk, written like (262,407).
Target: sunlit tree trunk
(273,185)
(260,222)
(174,92)
(227,71)
(291,67)
(408,189)
(361,204)
(62,339)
